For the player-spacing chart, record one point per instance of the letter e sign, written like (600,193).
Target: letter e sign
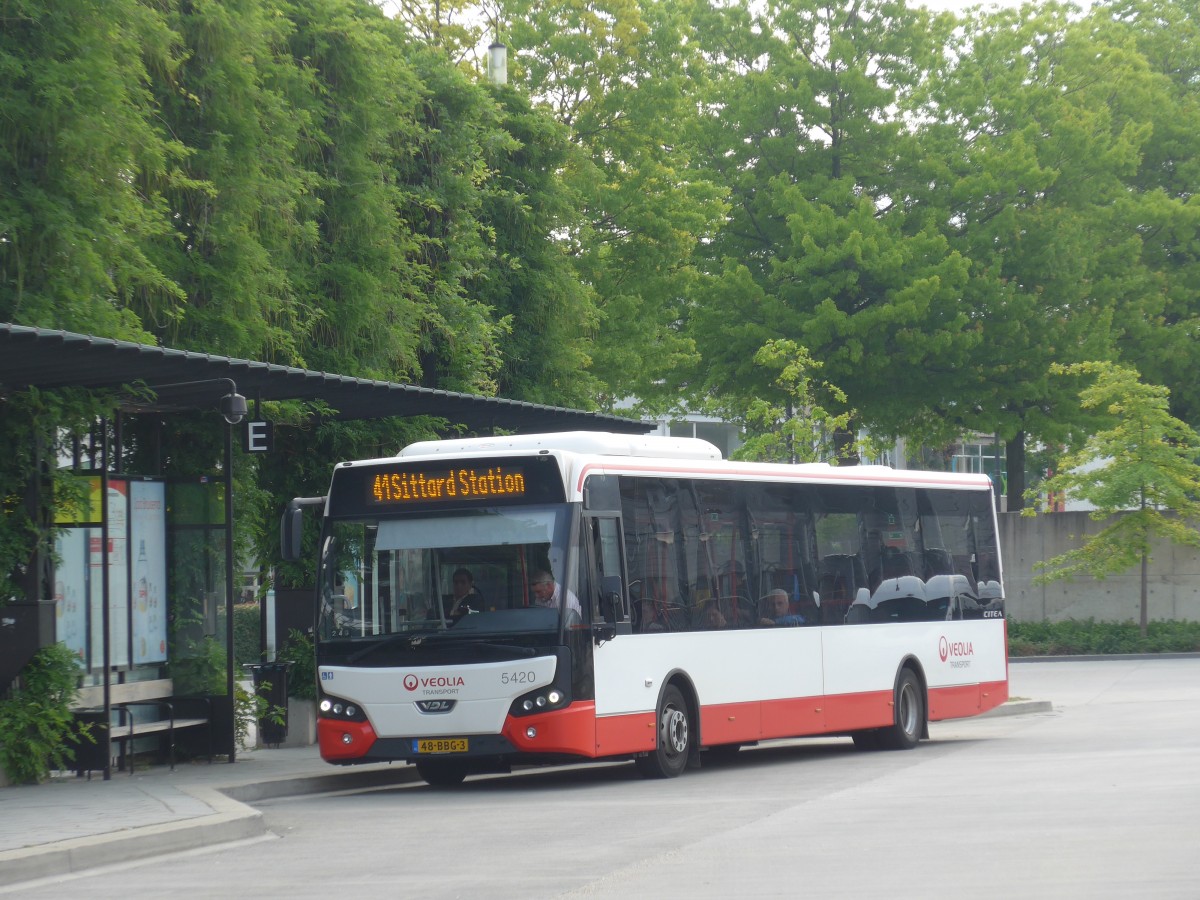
(260,437)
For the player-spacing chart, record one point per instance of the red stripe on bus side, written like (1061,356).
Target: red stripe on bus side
(633,733)
(853,712)
(966,700)
(953,702)
(730,723)
(992,694)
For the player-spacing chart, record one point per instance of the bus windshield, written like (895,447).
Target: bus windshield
(493,570)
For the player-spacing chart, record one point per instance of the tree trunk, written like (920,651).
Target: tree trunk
(843,447)
(1145,590)
(1014,453)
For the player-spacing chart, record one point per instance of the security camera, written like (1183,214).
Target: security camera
(233,408)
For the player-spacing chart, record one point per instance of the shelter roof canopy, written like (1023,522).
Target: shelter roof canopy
(183,379)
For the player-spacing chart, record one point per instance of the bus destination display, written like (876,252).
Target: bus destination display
(466,483)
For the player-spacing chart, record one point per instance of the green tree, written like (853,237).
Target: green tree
(82,162)
(1140,469)
(621,75)
(801,430)
(1033,136)
(1158,333)
(241,221)
(823,245)
(532,281)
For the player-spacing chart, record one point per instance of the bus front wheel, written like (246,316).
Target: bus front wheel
(908,712)
(442,772)
(675,732)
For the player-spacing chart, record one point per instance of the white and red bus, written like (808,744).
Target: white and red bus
(695,603)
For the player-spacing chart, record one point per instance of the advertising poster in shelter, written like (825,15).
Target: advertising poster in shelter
(117,553)
(148,543)
(71,589)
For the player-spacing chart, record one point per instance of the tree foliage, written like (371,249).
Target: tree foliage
(1141,468)
(801,430)
(934,208)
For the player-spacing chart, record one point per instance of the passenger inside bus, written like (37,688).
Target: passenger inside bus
(711,618)
(776,610)
(650,618)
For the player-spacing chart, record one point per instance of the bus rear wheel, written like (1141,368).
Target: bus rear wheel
(442,772)
(675,731)
(909,714)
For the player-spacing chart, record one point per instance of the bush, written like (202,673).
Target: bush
(198,666)
(247,634)
(36,724)
(302,675)
(1075,637)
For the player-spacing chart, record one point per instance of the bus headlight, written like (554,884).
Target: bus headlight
(541,700)
(342,710)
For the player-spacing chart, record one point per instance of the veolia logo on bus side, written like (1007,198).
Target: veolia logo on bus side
(948,649)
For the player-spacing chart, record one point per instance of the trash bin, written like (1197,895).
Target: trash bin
(271,683)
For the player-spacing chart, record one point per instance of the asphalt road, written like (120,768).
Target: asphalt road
(1099,798)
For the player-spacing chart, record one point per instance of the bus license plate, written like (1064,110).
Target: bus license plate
(445,745)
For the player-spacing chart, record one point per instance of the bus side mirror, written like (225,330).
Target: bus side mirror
(612,606)
(291,526)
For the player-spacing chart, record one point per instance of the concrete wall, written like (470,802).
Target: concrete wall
(1174,575)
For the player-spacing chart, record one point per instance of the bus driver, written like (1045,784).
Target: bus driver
(548,592)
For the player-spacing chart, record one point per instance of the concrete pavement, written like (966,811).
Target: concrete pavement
(71,824)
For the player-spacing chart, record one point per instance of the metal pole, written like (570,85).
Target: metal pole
(104,598)
(229,687)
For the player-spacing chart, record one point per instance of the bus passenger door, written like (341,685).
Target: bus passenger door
(625,698)
(610,594)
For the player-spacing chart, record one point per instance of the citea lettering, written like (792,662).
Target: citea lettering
(446,486)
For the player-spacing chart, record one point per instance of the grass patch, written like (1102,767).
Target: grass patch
(1075,637)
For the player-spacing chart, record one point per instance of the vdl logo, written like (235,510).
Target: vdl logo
(410,682)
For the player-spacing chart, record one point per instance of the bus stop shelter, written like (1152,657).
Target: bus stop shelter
(161,380)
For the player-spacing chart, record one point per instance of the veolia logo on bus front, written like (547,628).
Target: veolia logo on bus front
(439,684)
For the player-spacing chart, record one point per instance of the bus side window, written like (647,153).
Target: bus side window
(606,545)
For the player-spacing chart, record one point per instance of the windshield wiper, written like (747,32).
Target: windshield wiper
(390,642)
(443,640)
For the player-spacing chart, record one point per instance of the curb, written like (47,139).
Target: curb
(321,784)
(231,820)
(1102,657)
(1017,708)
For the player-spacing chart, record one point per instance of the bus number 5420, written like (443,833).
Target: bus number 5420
(516,677)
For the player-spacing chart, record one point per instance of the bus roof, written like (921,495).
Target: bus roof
(584,452)
(599,443)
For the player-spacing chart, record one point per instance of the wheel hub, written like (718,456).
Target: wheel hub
(675,730)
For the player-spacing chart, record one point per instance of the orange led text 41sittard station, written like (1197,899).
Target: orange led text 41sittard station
(456,484)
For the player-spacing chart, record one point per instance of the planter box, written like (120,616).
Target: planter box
(302,723)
